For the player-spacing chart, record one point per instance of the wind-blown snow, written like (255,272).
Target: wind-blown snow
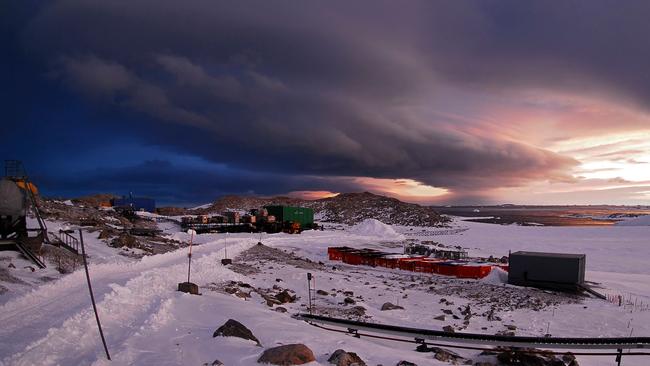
(373,227)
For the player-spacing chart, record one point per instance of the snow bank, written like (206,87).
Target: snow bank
(497,276)
(637,221)
(373,227)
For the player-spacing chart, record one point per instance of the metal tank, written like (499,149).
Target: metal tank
(12,199)
(13,206)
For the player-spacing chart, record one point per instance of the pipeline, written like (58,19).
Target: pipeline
(618,343)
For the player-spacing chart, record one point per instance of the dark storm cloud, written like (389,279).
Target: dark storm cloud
(168,182)
(307,88)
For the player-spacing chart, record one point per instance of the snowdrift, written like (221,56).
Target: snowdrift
(373,227)
(497,276)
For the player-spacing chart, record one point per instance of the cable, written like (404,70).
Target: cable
(92,297)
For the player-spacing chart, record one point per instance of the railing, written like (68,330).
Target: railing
(69,242)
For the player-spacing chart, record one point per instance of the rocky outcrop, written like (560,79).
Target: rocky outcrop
(345,208)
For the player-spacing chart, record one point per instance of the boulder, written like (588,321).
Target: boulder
(389,306)
(290,354)
(440,317)
(322,292)
(285,297)
(448,329)
(349,301)
(233,328)
(406,363)
(343,358)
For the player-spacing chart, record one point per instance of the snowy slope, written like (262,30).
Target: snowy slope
(146,321)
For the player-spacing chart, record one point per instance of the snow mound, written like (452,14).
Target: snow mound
(497,276)
(373,227)
(637,221)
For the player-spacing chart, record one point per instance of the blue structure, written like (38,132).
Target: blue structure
(136,203)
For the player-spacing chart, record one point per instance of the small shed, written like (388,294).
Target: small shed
(562,271)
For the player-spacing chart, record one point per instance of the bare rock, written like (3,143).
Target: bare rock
(214,363)
(390,306)
(343,358)
(285,297)
(280,309)
(441,354)
(440,317)
(125,240)
(511,357)
(446,355)
(349,301)
(290,354)
(406,363)
(569,357)
(322,292)
(104,234)
(242,294)
(358,311)
(448,329)
(233,328)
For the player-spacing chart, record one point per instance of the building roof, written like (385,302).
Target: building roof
(545,254)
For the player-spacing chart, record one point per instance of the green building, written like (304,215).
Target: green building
(303,215)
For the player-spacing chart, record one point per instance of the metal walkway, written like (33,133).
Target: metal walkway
(353,327)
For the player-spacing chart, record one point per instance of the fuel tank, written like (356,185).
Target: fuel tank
(12,199)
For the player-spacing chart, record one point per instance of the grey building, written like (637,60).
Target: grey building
(560,271)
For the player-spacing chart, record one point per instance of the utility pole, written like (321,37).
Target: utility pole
(189,287)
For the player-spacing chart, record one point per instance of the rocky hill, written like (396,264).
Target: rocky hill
(352,208)
(347,208)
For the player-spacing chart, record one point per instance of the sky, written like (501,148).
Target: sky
(435,102)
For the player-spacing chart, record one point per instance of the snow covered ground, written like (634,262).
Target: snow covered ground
(146,321)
